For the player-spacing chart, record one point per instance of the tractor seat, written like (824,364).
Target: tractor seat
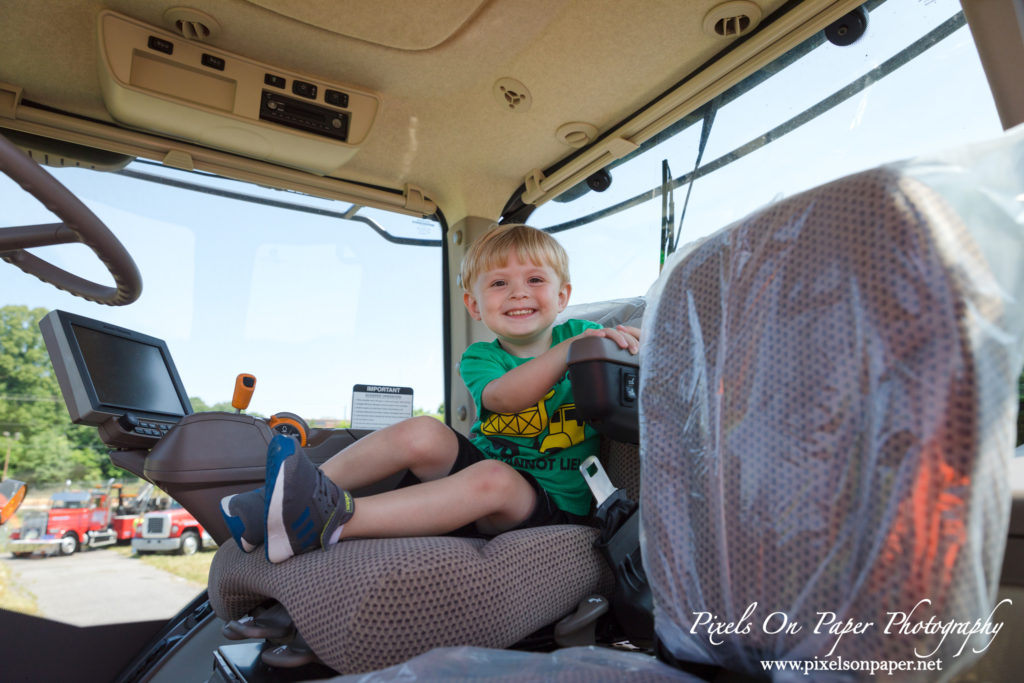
(369,603)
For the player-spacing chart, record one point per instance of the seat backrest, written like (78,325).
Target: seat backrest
(826,401)
(622,463)
(629,311)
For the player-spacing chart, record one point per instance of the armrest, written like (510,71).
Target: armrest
(606,383)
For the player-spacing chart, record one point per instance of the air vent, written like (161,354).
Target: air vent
(732,19)
(512,95)
(732,26)
(192,24)
(193,30)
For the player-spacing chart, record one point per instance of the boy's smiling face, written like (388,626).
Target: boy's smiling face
(519,303)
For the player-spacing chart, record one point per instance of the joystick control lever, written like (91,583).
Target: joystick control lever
(245,384)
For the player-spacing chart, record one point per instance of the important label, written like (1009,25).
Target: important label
(375,406)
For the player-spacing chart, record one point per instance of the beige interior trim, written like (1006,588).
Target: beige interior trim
(998,30)
(397,24)
(10,100)
(411,200)
(771,42)
(464,330)
(155,80)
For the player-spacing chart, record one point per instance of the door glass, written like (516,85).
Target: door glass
(912,84)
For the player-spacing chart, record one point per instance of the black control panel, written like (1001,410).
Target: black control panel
(160,45)
(132,431)
(146,427)
(306,116)
(606,383)
(212,61)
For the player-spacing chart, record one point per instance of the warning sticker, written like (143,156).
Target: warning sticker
(375,406)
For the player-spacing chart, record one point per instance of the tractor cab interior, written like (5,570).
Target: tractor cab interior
(816,438)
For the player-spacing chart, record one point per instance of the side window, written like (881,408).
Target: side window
(828,112)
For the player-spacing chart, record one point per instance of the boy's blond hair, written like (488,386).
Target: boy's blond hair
(529,244)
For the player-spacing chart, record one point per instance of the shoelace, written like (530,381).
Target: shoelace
(325,491)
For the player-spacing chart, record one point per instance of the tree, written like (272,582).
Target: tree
(420,411)
(50,448)
(54,458)
(200,406)
(29,395)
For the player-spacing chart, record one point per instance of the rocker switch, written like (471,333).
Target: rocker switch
(628,387)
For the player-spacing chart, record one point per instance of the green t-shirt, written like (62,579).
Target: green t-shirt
(546,440)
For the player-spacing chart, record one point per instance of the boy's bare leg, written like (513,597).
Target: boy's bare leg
(490,493)
(421,444)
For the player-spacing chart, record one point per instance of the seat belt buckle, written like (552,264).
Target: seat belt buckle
(601,486)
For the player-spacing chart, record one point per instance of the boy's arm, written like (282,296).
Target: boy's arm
(524,386)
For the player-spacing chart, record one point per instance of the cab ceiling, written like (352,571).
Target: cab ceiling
(434,66)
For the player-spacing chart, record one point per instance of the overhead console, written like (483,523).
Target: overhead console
(159,81)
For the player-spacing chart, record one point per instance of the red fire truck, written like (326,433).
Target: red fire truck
(75,519)
(171,530)
(81,519)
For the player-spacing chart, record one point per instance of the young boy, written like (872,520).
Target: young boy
(514,472)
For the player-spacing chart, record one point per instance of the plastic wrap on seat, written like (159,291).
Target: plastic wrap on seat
(610,313)
(827,411)
(577,664)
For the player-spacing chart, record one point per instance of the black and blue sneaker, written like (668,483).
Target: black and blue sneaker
(243,513)
(303,506)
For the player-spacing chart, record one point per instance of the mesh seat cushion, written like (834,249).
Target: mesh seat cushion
(367,604)
(622,464)
(824,426)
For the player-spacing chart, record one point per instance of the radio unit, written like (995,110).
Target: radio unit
(306,116)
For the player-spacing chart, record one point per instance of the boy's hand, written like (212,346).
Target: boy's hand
(524,386)
(624,336)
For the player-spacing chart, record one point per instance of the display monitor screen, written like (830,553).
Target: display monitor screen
(106,371)
(127,373)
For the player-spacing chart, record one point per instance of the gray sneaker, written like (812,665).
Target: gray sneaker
(243,513)
(304,507)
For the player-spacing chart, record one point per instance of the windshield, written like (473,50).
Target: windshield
(238,278)
(310,296)
(830,112)
(69,503)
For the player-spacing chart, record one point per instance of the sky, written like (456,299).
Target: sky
(312,305)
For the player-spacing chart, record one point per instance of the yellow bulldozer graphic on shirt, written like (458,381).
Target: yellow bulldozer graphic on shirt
(565,430)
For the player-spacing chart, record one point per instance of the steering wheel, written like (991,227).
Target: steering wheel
(79,225)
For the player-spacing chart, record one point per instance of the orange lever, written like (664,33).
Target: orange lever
(12,492)
(245,384)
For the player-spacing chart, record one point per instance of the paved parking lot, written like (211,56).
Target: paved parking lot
(100,587)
